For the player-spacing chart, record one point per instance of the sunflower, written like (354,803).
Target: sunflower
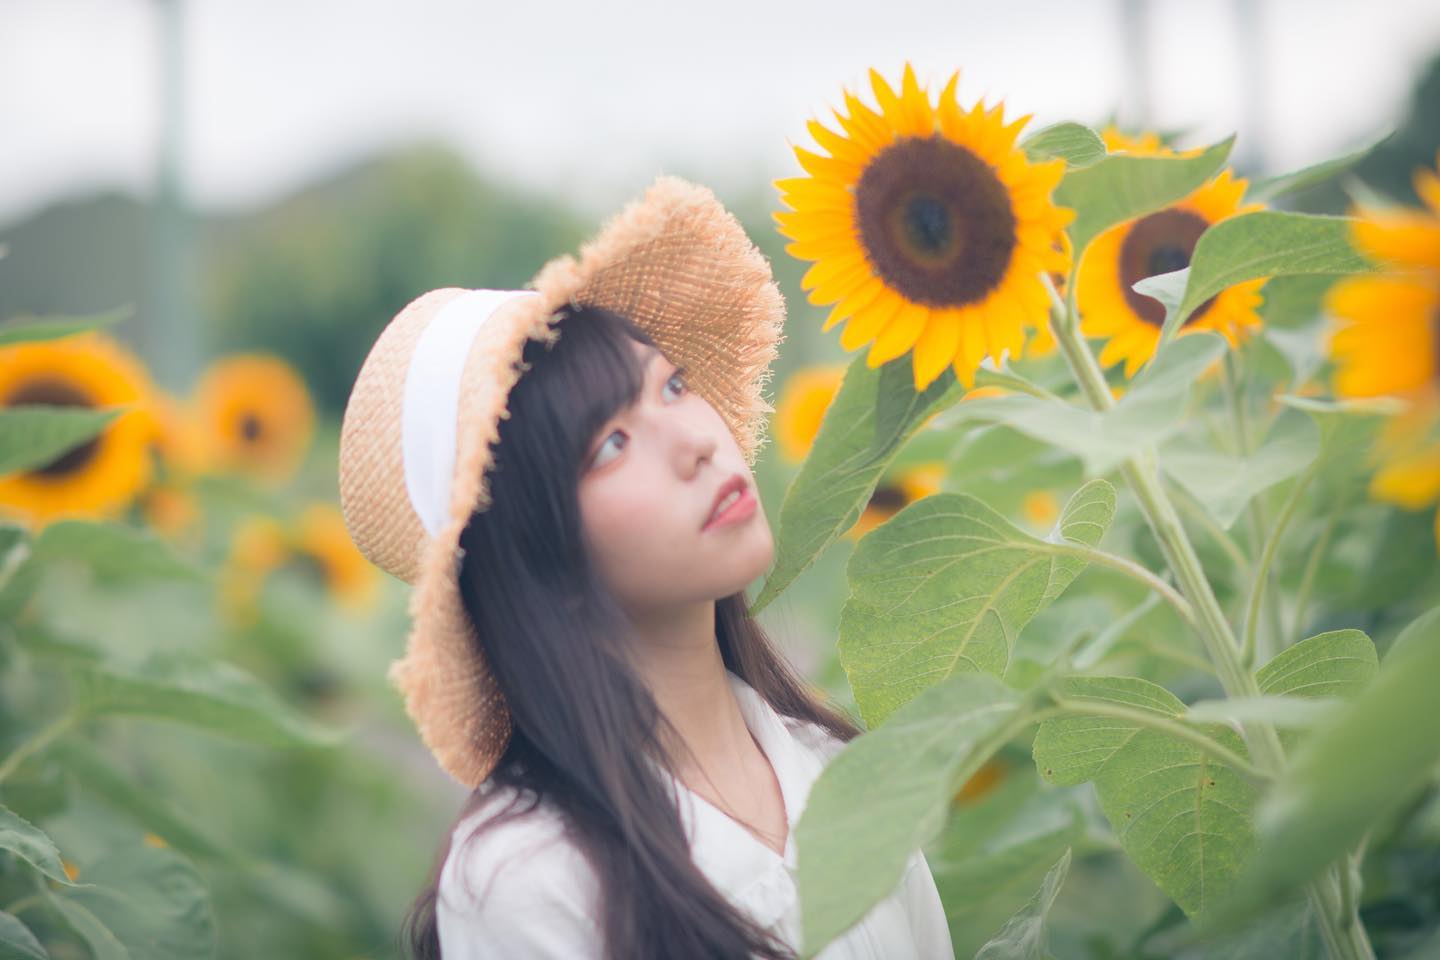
(1388,341)
(258,546)
(321,536)
(100,477)
(170,509)
(255,415)
(889,498)
(928,227)
(803,401)
(176,438)
(1159,242)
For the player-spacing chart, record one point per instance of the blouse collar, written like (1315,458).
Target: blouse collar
(733,858)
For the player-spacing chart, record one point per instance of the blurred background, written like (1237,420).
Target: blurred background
(259,188)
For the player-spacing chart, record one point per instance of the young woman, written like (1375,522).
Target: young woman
(638,794)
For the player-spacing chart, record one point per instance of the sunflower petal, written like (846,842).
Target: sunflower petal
(899,334)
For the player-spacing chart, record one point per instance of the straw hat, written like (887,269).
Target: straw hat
(418,428)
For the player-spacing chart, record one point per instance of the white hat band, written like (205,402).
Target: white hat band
(432,399)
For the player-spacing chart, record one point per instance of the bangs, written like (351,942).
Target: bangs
(576,384)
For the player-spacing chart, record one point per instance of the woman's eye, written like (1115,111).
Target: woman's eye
(679,375)
(599,453)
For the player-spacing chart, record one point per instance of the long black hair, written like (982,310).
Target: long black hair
(583,721)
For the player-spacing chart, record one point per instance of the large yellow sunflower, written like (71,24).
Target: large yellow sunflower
(256,416)
(100,477)
(803,401)
(1388,342)
(929,229)
(1159,242)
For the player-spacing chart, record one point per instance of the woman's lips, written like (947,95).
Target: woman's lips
(743,508)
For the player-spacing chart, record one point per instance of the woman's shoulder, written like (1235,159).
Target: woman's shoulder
(513,859)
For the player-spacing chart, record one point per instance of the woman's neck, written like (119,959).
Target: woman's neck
(679,660)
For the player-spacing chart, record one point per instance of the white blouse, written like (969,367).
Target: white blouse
(523,890)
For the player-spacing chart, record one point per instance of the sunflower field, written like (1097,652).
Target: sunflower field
(1125,513)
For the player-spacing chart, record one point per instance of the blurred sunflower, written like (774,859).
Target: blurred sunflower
(1040,509)
(890,497)
(255,415)
(258,545)
(1159,242)
(1388,343)
(98,478)
(984,781)
(803,401)
(1042,341)
(321,536)
(171,510)
(928,226)
(176,438)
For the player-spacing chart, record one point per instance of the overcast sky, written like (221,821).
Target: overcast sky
(590,100)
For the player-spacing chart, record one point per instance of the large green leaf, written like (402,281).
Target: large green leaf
(1182,816)
(1076,144)
(887,793)
(114,551)
(17,942)
(200,692)
(1354,770)
(1023,937)
(850,453)
(33,435)
(945,585)
(142,903)
(52,328)
(1224,483)
(1268,188)
(28,842)
(1334,664)
(1122,187)
(1264,243)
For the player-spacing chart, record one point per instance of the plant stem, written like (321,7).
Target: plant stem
(1174,728)
(1131,569)
(1267,556)
(1141,473)
(1221,538)
(38,742)
(1312,566)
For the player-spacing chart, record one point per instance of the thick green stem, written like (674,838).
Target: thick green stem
(1130,569)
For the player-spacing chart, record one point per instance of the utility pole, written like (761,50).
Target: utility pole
(169,321)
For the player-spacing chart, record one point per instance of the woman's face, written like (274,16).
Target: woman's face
(647,486)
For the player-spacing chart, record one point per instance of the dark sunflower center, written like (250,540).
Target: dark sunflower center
(250,428)
(57,393)
(888,499)
(1160,243)
(935,221)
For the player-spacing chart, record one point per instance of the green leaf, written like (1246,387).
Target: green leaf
(1224,483)
(200,692)
(1334,664)
(1264,243)
(34,435)
(154,813)
(887,793)
(53,328)
(1182,816)
(847,459)
(1122,187)
(945,585)
(1427,625)
(143,902)
(1268,188)
(1023,937)
(1075,143)
(17,942)
(1366,761)
(26,841)
(114,551)
(994,853)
